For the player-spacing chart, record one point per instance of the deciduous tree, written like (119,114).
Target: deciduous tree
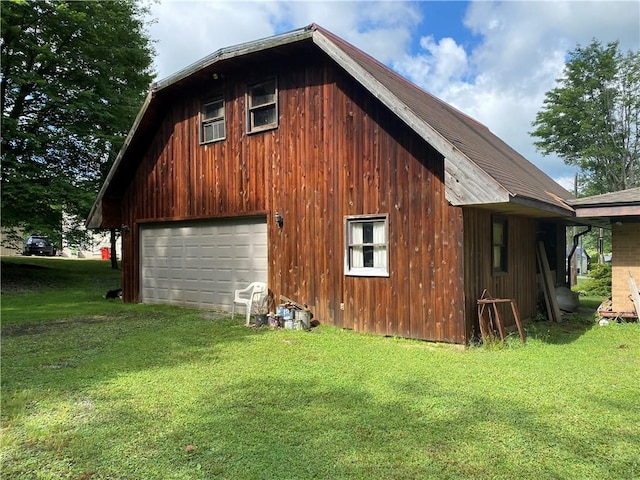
(74,74)
(591,118)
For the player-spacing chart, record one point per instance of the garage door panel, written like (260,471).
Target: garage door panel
(201,264)
(208,252)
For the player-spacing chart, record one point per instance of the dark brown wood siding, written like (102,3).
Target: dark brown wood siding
(518,283)
(336,152)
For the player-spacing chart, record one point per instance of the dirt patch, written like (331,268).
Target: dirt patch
(214,315)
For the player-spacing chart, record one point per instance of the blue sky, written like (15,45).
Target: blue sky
(442,20)
(492,60)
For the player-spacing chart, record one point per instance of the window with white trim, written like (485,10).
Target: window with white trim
(367,246)
(212,123)
(262,106)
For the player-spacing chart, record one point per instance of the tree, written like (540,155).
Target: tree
(74,74)
(591,119)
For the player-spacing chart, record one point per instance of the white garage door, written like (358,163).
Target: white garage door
(201,264)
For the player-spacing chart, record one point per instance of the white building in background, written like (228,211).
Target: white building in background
(9,251)
(97,246)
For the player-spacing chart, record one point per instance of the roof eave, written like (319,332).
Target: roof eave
(235,51)
(562,209)
(619,210)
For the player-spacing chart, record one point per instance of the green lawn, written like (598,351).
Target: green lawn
(96,389)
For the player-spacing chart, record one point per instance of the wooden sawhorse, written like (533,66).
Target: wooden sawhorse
(489,317)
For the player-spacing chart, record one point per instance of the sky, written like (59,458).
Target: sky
(492,60)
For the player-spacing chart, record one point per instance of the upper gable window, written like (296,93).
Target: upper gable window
(367,246)
(212,123)
(262,102)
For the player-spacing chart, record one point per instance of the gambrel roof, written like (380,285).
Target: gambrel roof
(480,169)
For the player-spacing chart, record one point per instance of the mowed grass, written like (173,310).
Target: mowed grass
(94,389)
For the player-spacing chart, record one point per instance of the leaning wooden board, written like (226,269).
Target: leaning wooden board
(548,284)
(635,295)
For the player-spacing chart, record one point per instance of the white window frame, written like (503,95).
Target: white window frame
(354,256)
(261,107)
(213,120)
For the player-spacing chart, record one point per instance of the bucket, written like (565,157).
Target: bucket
(288,324)
(304,318)
(261,319)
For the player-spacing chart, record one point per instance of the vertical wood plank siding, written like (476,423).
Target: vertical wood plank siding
(336,152)
(518,283)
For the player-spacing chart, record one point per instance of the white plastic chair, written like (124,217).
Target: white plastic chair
(247,296)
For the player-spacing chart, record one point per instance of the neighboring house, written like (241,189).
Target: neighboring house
(9,245)
(583,261)
(92,247)
(619,211)
(301,161)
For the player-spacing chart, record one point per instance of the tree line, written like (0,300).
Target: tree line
(74,75)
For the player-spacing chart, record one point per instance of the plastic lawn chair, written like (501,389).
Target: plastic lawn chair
(246,296)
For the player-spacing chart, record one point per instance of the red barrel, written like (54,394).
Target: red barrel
(105,253)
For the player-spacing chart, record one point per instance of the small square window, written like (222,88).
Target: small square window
(499,251)
(262,102)
(367,246)
(212,122)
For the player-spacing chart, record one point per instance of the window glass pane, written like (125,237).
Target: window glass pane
(497,258)
(263,94)
(367,232)
(379,232)
(498,233)
(356,233)
(207,132)
(368,256)
(264,116)
(380,257)
(499,244)
(214,110)
(357,257)
(213,131)
(218,129)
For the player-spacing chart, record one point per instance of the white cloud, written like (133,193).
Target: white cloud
(523,47)
(186,31)
(445,63)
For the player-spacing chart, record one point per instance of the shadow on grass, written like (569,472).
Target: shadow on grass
(44,289)
(58,357)
(321,427)
(572,327)
(567,331)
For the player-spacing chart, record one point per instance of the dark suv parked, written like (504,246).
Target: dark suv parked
(38,245)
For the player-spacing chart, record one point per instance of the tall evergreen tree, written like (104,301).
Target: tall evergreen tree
(592,118)
(74,74)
